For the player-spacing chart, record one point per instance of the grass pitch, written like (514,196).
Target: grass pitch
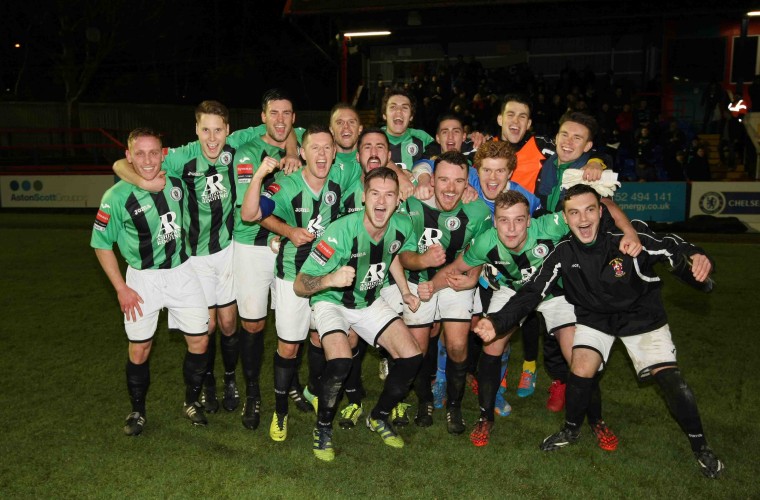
(64,401)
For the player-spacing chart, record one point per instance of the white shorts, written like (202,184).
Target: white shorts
(292,313)
(445,305)
(254,278)
(368,323)
(179,290)
(557,311)
(647,350)
(215,273)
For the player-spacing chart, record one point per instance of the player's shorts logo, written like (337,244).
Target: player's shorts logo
(330,198)
(394,246)
(541,251)
(712,202)
(617,266)
(412,149)
(453,223)
(225,158)
(176,193)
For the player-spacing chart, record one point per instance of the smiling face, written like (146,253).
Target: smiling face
(514,121)
(380,202)
(450,135)
(398,114)
(145,155)
(494,175)
(212,134)
(572,141)
(512,225)
(582,213)
(278,116)
(373,151)
(449,183)
(345,127)
(318,152)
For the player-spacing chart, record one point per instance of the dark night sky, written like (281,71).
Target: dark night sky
(163,51)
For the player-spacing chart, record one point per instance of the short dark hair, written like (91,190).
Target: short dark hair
(578,190)
(372,130)
(510,198)
(587,121)
(403,92)
(276,94)
(380,173)
(315,128)
(212,108)
(453,157)
(448,116)
(521,98)
(142,132)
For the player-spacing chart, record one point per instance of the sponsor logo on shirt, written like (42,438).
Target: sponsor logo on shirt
(245,172)
(101,221)
(322,252)
(142,209)
(214,190)
(374,277)
(170,230)
(273,188)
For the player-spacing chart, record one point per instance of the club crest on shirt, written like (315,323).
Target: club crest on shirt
(541,251)
(225,158)
(617,266)
(394,246)
(330,198)
(176,193)
(412,149)
(453,223)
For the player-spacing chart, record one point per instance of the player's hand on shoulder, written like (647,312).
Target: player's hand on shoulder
(485,330)
(469,195)
(425,291)
(130,301)
(300,236)
(411,301)
(290,164)
(342,277)
(477,139)
(700,267)
(592,172)
(155,185)
(435,256)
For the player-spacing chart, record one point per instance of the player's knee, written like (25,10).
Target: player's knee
(585,363)
(139,352)
(286,350)
(197,344)
(253,326)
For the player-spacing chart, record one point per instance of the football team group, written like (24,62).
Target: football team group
(434,250)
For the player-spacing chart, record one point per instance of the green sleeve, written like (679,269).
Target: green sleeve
(330,252)
(176,158)
(475,255)
(246,135)
(105,230)
(552,226)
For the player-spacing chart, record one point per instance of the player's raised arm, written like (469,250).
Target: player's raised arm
(255,207)
(630,244)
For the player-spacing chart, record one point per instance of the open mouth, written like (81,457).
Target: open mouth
(373,162)
(586,231)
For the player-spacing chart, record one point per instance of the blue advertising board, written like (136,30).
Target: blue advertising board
(653,201)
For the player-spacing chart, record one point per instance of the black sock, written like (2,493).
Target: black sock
(577,397)
(474,348)
(335,372)
(531,328)
(283,376)
(210,380)
(138,381)
(682,405)
(251,358)
(426,375)
(396,386)
(456,376)
(354,379)
(193,370)
(554,361)
(489,370)
(230,353)
(295,382)
(317,363)
(594,412)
